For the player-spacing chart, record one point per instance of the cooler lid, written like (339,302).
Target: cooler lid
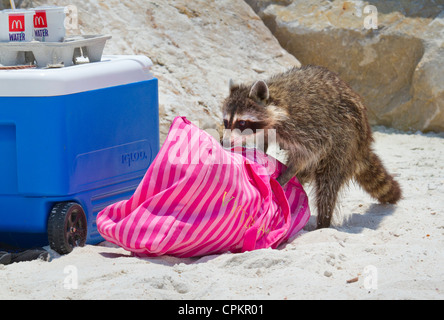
(112,70)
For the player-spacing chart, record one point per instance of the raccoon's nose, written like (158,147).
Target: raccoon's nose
(226,140)
(225,144)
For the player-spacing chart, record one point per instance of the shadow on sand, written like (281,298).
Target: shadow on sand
(357,222)
(370,219)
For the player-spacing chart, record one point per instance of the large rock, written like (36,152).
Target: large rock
(398,68)
(196,47)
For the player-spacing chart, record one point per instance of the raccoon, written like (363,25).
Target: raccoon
(322,124)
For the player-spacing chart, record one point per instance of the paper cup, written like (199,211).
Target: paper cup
(49,24)
(16,25)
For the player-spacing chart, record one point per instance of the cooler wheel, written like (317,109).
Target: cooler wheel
(67,227)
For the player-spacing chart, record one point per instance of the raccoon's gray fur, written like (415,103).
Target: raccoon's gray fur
(322,123)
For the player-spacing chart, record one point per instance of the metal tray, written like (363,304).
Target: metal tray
(53,54)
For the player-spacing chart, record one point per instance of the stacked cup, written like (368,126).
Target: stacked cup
(16,25)
(49,24)
(45,24)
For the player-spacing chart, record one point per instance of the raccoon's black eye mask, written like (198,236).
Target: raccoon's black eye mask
(247,124)
(241,125)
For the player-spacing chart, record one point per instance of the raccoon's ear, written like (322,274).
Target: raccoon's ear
(231,85)
(259,91)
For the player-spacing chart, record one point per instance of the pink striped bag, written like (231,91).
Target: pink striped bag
(197,198)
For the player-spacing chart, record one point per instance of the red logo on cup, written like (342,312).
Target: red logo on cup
(16,23)
(40,19)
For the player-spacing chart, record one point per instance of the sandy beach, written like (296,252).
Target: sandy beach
(372,251)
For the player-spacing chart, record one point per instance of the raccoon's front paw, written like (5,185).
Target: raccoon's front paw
(282,179)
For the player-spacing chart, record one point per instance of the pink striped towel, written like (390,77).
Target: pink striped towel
(197,198)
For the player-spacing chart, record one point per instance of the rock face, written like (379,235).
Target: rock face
(398,68)
(196,47)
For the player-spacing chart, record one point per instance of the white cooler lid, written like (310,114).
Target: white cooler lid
(113,70)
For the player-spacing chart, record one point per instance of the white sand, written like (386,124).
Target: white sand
(394,252)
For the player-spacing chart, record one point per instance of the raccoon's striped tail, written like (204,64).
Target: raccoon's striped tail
(374,178)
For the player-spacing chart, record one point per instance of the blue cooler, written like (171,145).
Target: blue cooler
(73,140)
